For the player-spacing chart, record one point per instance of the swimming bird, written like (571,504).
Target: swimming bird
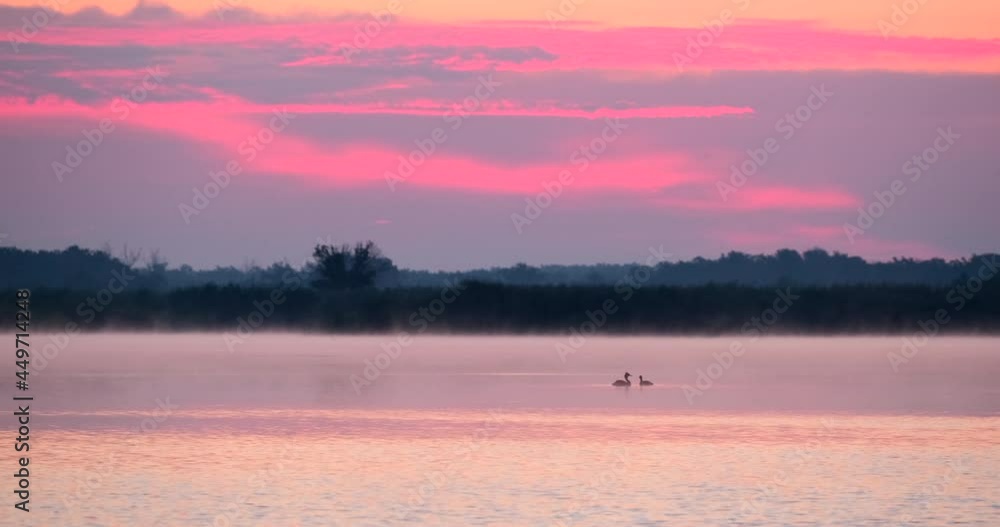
(644,383)
(626,382)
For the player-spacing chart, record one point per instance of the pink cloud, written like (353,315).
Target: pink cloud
(819,231)
(759,198)
(234,106)
(126,74)
(220,127)
(794,198)
(746,44)
(368,164)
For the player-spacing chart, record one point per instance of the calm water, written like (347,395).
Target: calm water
(165,430)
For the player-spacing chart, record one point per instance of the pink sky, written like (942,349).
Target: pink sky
(429,129)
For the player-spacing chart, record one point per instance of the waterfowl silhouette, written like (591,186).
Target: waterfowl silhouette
(626,382)
(644,383)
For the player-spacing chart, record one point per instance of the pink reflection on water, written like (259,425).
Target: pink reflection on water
(470,467)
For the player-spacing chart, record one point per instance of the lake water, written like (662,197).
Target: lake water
(284,429)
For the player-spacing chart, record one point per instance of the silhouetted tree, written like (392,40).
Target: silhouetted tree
(364,264)
(343,268)
(521,273)
(154,276)
(331,266)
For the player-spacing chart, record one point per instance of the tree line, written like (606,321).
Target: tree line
(350,288)
(479,307)
(364,265)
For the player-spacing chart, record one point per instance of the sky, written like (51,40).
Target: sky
(467,134)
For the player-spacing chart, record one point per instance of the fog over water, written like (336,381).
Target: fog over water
(948,375)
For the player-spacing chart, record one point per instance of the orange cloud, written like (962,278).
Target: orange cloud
(956,18)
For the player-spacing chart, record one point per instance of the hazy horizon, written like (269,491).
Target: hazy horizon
(305,256)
